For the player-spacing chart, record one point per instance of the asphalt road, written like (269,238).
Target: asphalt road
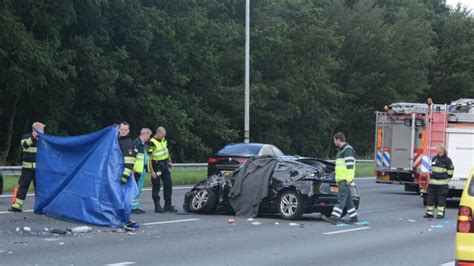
(395,234)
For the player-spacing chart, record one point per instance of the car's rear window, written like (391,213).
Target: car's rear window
(240,149)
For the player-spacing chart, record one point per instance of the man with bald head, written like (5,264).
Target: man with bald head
(28,165)
(160,164)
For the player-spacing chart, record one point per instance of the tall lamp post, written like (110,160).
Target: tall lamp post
(247,72)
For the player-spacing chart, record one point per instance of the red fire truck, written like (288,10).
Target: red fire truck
(405,137)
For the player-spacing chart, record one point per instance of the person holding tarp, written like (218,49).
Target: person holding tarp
(28,166)
(82,177)
(141,166)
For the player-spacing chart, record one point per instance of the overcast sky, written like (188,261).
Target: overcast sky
(468,3)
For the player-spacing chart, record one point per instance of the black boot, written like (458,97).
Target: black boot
(13,209)
(428,216)
(158,207)
(169,208)
(331,220)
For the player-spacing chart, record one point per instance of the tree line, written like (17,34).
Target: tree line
(317,67)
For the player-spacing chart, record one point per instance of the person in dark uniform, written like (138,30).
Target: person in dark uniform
(28,166)
(128,151)
(442,170)
(161,163)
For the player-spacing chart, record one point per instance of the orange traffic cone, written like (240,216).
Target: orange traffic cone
(15,191)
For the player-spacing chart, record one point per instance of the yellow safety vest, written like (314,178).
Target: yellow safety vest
(159,149)
(139,163)
(345,164)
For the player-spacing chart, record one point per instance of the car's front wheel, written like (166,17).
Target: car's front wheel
(290,205)
(203,201)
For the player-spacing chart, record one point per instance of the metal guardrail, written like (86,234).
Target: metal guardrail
(16,170)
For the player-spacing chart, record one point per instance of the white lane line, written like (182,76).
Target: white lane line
(171,222)
(5,212)
(365,178)
(451,263)
(145,189)
(10,195)
(346,231)
(174,188)
(121,263)
(383,210)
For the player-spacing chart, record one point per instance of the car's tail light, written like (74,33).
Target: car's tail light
(465,263)
(213,160)
(465,222)
(378,173)
(241,160)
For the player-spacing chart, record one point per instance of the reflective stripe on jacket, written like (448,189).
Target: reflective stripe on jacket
(442,170)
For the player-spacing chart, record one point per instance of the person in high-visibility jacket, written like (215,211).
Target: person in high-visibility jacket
(442,170)
(128,151)
(345,172)
(161,164)
(28,166)
(141,166)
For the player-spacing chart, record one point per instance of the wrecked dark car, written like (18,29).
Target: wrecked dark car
(269,185)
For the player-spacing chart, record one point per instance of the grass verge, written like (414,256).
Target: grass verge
(189,176)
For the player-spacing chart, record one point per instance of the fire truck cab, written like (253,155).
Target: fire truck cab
(406,135)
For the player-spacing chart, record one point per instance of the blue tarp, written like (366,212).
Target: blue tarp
(78,178)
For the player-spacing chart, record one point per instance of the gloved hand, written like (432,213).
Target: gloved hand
(123,180)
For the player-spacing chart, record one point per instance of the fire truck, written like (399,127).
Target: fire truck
(406,135)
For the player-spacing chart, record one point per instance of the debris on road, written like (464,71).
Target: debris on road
(27,229)
(250,219)
(437,226)
(411,220)
(256,223)
(231,221)
(80,229)
(362,223)
(277,223)
(342,225)
(58,232)
(61,243)
(296,224)
(20,243)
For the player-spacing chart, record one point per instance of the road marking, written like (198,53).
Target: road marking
(15,212)
(365,178)
(145,189)
(383,210)
(174,188)
(121,263)
(346,231)
(451,263)
(171,222)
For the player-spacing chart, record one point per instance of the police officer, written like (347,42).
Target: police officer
(345,172)
(28,166)
(141,166)
(161,162)
(442,170)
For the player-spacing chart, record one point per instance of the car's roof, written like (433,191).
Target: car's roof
(241,149)
(243,144)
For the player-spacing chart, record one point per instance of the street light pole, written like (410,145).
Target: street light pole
(247,72)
